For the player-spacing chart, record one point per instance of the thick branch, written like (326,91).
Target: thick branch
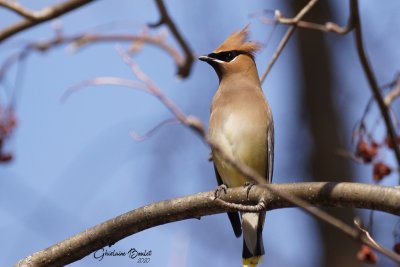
(355,195)
(34,18)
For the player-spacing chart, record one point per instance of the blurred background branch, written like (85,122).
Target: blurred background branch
(33,18)
(165,18)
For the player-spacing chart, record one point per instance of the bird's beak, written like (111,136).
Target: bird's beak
(206,59)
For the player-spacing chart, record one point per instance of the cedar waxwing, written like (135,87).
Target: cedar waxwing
(241,122)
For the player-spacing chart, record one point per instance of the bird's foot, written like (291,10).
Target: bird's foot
(248,186)
(221,188)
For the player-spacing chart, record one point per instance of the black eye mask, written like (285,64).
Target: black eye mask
(225,56)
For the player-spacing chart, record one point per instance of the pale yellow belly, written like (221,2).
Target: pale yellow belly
(246,143)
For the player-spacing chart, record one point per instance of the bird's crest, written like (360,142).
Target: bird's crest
(239,41)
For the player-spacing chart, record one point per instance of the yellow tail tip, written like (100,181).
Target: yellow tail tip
(252,262)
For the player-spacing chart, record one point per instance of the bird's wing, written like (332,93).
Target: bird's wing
(234,217)
(270,151)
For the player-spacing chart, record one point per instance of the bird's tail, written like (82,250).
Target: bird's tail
(253,247)
(252,262)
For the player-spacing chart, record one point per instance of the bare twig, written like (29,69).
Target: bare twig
(101,81)
(327,27)
(287,35)
(143,38)
(153,89)
(34,18)
(357,195)
(372,80)
(299,15)
(278,51)
(184,69)
(150,133)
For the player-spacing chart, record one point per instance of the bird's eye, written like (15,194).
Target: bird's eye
(225,56)
(230,55)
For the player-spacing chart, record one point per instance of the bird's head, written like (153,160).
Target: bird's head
(235,54)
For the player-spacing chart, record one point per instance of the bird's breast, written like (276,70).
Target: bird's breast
(241,134)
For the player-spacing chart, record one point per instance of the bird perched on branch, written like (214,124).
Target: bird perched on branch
(241,123)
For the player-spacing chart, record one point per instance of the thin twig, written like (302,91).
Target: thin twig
(109,80)
(189,121)
(287,35)
(299,15)
(38,17)
(278,51)
(165,18)
(394,93)
(143,38)
(327,27)
(151,132)
(372,79)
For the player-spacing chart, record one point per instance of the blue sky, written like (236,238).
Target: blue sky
(76,165)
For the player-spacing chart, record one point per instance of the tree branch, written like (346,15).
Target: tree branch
(33,18)
(355,195)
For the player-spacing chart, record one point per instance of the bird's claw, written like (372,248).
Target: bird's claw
(221,188)
(248,186)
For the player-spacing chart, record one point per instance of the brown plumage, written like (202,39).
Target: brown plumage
(239,41)
(241,123)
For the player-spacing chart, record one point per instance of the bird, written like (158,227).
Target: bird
(241,123)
